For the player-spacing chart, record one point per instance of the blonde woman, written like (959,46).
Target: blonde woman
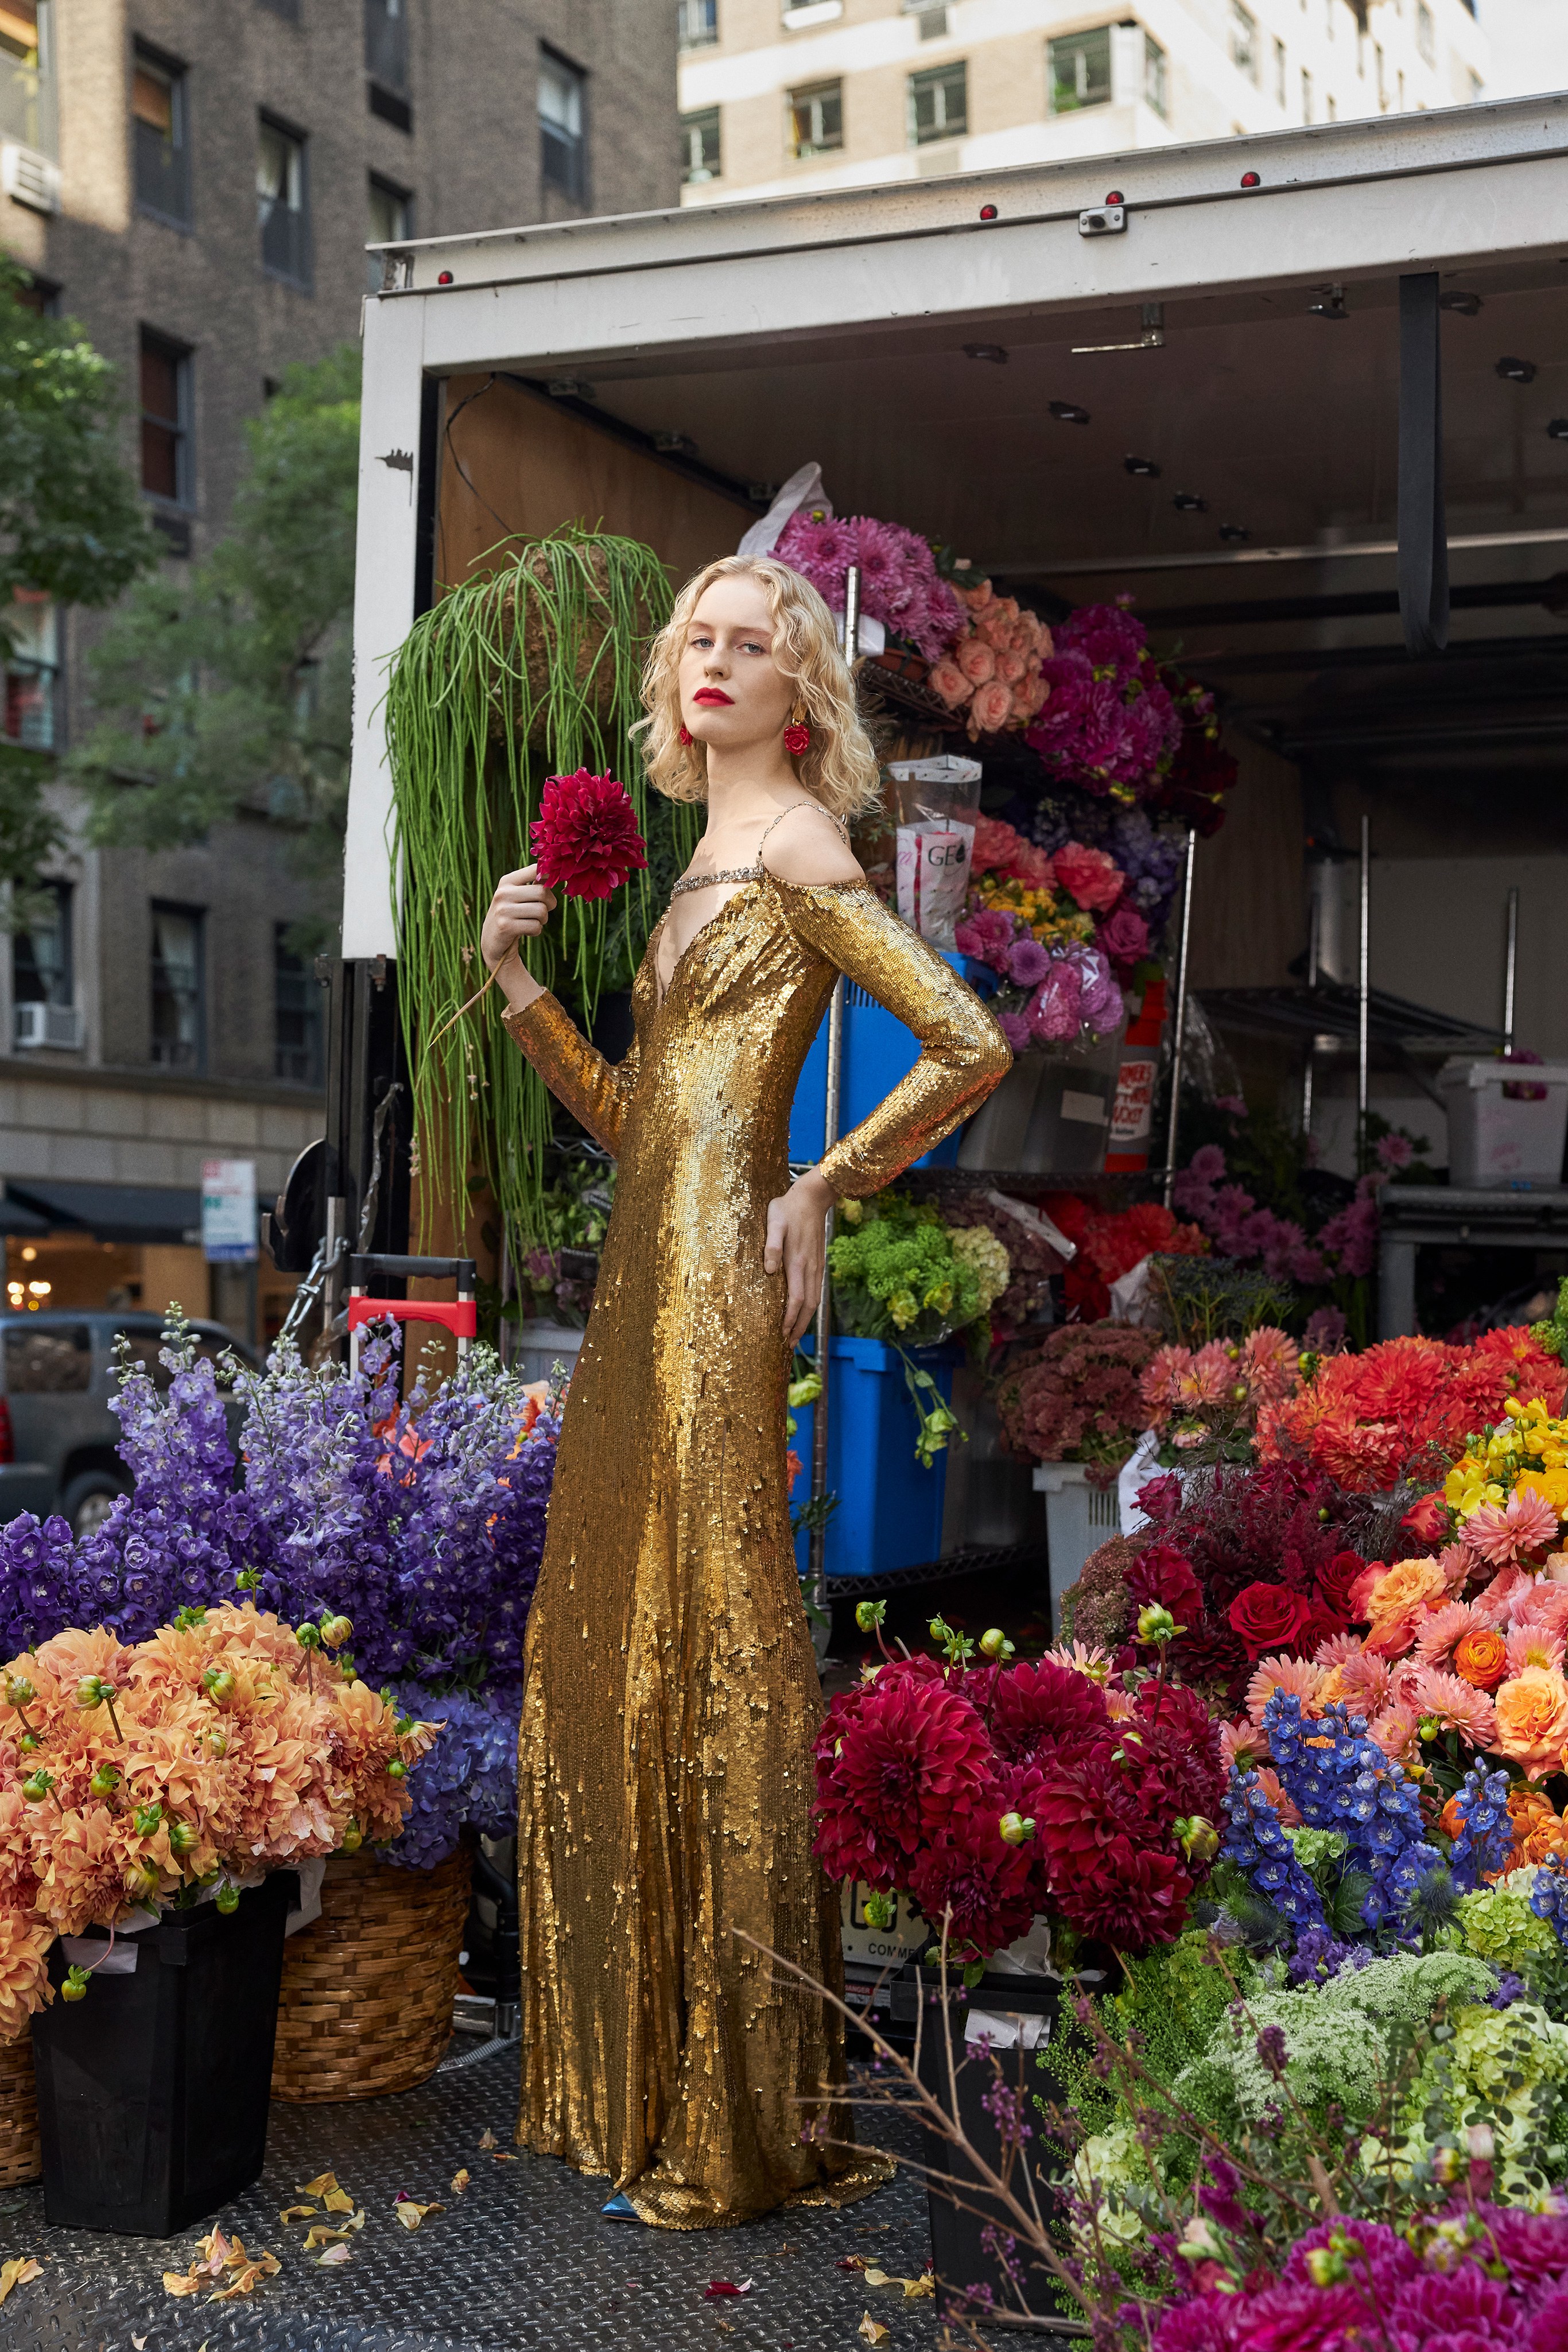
(671,1697)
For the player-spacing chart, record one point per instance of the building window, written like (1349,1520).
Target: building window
(1153,73)
(282,203)
(816,119)
(1281,77)
(386,42)
(161,160)
(939,103)
(701,152)
(698,24)
(1425,33)
(165,419)
(296,1014)
(389,220)
(32,669)
(1306,94)
(563,149)
(1080,70)
(28,101)
(41,954)
(1246,50)
(178,1042)
(1333,108)
(1475,86)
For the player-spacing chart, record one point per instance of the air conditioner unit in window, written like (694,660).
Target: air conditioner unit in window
(30,178)
(60,1025)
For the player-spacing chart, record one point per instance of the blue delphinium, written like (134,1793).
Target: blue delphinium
(469,1775)
(1339,1779)
(1548,1898)
(1486,1833)
(1258,1846)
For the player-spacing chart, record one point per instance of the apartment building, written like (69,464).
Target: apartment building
(196,181)
(839,93)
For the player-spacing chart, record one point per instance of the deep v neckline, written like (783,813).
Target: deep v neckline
(661,996)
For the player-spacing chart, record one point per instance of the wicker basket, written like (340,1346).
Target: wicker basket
(368,1989)
(21,2157)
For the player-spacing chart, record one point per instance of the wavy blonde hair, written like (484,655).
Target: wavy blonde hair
(839,768)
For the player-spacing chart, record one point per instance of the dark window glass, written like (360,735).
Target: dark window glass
(386,42)
(41,955)
(54,1360)
(562,144)
(178,1028)
(697,24)
(1080,71)
(282,203)
(28,99)
(701,153)
(39,294)
(296,1014)
(816,119)
(389,218)
(158,128)
(165,419)
(31,671)
(939,103)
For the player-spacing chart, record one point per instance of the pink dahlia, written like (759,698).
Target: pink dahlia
(1527,1524)
(1531,1644)
(1095,880)
(1270,1360)
(1456,1705)
(1297,1677)
(1435,1639)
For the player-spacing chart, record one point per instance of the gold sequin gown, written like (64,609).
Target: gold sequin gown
(670,1692)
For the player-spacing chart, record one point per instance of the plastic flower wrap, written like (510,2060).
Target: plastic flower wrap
(989,1793)
(131,1777)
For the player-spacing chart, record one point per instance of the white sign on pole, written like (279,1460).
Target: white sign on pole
(229,1212)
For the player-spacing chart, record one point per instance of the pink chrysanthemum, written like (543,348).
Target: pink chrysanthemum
(1297,1677)
(1270,1360)
(1456,1705)
(1210,1376)
(1337,1649)
(1531,1644)
(1364,1680)
(1435,1639)
(1456,1563)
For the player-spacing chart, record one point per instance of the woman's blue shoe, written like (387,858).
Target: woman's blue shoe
(620,2209)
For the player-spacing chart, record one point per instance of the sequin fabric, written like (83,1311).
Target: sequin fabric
(671,1696)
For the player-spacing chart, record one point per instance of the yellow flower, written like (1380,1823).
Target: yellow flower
(902,1308)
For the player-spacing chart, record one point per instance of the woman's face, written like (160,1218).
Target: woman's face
(731,694)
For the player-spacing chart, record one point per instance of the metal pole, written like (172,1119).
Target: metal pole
(1314,924)
(1510,969)
(1179,1036)
(818,1552)
(1363,994)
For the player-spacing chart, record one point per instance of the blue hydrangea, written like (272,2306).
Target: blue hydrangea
(469,1775)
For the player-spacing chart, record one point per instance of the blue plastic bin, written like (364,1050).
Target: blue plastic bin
(878,1052)
(889,1508)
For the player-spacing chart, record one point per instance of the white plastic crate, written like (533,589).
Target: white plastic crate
(1494,1140)
(540,1347)
(1078,1519)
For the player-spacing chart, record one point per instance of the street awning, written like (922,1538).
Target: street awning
(16,1218)
(110,1212)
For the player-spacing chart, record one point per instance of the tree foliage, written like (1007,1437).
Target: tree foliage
(228,686)
(72,525)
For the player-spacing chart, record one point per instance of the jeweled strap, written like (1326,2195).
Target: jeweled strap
(706,881)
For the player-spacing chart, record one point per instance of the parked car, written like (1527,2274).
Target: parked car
(59,1443)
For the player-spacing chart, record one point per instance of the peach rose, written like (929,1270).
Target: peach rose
(948,680)
(1010,667)
(1532,1720)
(976,660)
(995,628)
(991,708)
(1402,1599)
(979,597)
(1480,1657)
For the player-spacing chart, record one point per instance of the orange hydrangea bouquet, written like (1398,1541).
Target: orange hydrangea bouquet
(136,1780)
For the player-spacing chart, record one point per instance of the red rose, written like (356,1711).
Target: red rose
(1335,1580)
(1317,1625)
(1427,1520)
(1268,1617)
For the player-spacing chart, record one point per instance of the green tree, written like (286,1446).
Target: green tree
(72,524)
(228,687)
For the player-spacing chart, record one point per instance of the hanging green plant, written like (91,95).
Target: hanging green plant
(528,670)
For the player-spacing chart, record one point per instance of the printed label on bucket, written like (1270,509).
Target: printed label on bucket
(1132,1113)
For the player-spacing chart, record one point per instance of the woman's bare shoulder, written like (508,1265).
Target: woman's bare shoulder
(806,847)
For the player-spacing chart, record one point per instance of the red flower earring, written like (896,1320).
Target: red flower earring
(685,733)
(796,738)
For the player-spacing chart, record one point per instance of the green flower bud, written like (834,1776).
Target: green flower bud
(398,1769)
(36,1786)
(148,1819)
(869,1614)
(105,1780)
(353,1838)
(182,1837)
(227,1898)
(336,1630)
(993,1643)
(218,1682)
(881,1910)
(1017,1829)
(1156,1623)
(1198,1837)
(18,1690)
(1325,2265)
(91,1691)
(248,1581)
(29,1743)
(307,1636)
(75,1985)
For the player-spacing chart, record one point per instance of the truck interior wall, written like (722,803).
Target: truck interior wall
(515,463)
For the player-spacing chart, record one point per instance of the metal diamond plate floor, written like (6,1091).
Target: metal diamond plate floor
(521,2262)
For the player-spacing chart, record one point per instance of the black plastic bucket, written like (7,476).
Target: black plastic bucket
(961,2259)
(154,2091)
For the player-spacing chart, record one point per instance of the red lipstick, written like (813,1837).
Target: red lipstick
(712,694)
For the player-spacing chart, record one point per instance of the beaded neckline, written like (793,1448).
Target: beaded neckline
(749,873)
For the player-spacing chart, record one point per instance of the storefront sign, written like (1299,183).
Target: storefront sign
(229,1212)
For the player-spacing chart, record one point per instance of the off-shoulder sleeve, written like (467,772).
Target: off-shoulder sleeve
(594,1091)
(962,1052)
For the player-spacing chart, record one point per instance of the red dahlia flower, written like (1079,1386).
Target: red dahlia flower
(1040,1707)
(1131,1900)
(983,1883)
(914,1758)
(584,839)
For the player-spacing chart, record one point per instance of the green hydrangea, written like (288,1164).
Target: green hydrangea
(1316,1847)
(1337,2035)
(1504,2071)
(987,1259)
(1498,1926)
(898,1277)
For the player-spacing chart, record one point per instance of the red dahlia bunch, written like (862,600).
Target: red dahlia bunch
(920,1768)
(585,839)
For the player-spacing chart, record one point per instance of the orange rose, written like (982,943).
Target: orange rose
(1532,1719)
(1400,1603)
(1481,1657)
